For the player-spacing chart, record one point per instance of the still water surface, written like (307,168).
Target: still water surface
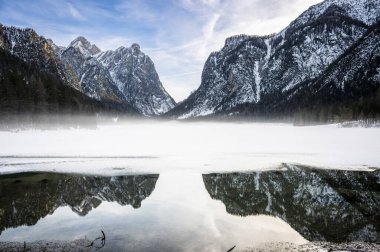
(190,211)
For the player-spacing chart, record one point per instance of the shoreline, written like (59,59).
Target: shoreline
(85,245)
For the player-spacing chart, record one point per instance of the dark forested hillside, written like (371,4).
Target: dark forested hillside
(25,89)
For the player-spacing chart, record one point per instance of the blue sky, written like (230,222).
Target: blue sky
(177,35)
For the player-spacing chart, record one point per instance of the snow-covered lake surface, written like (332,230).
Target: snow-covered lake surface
(146,147)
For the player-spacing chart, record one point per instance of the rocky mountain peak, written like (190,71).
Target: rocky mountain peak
(125,75)
(233,41)
(80,41)
(135,76)
(135,48)
(86,48)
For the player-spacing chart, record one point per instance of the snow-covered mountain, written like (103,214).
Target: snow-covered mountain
(348,88)
(123,75)
(94,79)
(35,82)
(134,74)
(123,78)
(250,69)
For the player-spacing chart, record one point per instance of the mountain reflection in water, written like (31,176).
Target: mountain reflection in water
(292,204)
(27,197)
(322,205)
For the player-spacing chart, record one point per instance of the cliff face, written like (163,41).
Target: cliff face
(134,74)
(95,80)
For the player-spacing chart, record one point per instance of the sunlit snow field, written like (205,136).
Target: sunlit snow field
(146,147)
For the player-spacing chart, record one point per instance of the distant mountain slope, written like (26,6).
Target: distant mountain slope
(253,70)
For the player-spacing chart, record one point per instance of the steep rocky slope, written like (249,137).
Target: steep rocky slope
(134,74)
(95,81)
(348,88)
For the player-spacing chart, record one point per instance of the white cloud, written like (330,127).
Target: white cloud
(75,13)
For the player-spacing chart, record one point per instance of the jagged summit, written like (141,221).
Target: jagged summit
(85,46)
(136,48)
(95,80)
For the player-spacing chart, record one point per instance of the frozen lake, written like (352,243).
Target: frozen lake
(142,147)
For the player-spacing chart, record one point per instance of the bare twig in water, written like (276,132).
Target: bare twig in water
(231,249)
(101,238)
(104,236)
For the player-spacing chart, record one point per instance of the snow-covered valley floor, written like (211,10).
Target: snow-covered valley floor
(146,147)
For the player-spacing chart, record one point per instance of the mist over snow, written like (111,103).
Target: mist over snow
(139,147)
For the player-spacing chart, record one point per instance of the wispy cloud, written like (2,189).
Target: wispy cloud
(178,35)
(75,13)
